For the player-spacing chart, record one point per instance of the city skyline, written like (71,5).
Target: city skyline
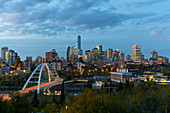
(113,24)
(62,50)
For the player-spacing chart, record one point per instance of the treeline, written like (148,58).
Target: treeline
(144,98)
(13,80)
(31,103)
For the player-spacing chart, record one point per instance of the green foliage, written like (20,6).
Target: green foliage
(144,98)
(20,104)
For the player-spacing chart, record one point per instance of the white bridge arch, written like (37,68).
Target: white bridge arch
(35,77)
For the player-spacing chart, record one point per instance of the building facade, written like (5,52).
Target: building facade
(136,53)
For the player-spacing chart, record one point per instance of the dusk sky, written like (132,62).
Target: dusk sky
(32,27)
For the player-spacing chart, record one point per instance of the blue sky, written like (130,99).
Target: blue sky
(31,27)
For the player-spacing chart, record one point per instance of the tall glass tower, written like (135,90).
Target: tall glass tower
(99,47)
(78,45)
(3,53)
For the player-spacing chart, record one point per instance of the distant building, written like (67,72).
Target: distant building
(109,56)
(136,53)
(99,47)
(79,42)
(78,45)
(73,59)
(128,58)
(3,53)
(121,75)
(48,56)
(116,57)
(38,59)
(59,65)
(93,55)
(28,63)
(154,55)
(10,58)
(63,62)
(79,65)
(68,53)
(122,56)
(17,59)
(86,58)
(163,60)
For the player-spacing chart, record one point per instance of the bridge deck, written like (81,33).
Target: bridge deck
(41,86)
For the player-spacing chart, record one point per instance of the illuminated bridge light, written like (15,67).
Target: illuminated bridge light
(38,71)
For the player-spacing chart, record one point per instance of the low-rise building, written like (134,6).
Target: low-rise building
(121,75)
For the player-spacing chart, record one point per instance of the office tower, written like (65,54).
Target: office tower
(29,58)
(87,52)
(73,50)
(68,53)
(53,51)
(143,57)
(163,60)
(10,58)
(54,56)
(128,58)
(86,57)
(28,62)
(136,53)
(38,59)
(93,55)
(115,56)
(154,55)
(78,45)
(122,56)
(109,56)
(73,57)
(61,58)
(17,59)
(3,52)
(48,56)
(80,55)
(79,42)
(118,50)
(99,47)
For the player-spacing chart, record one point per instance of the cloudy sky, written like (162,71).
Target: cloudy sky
(31,27)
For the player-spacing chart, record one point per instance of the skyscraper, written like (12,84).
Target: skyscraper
(136,53)
(48,56)
(10,58)
(3,52)
(78,45)
(122,56)
(79,42)
(99,47)
(68,53)
(154,55)
(109,56)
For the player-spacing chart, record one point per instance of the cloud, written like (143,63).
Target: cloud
(147,2)
(49,17)
(148,28)
(154,33)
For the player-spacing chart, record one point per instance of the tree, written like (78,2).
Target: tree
(62,93)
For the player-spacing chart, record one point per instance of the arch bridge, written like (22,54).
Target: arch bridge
(44,75)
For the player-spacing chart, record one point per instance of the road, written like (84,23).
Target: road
(47,89)
(41,86)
